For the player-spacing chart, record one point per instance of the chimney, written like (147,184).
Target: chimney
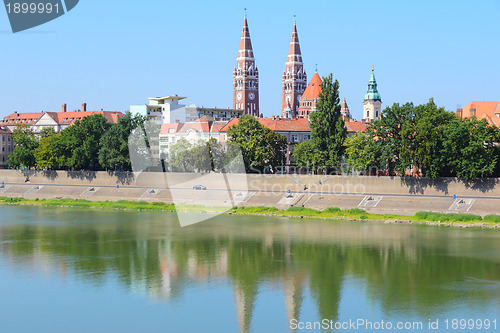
(64,106)
(84,107)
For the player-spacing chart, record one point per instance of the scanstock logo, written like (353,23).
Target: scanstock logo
(26,14)
(198,196)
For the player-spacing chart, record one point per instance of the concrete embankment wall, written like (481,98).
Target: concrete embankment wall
(396,194)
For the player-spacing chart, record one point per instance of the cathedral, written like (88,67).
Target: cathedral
(246,76)
(298,98)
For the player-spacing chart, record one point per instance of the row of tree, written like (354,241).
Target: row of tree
(429,141)
(90,144)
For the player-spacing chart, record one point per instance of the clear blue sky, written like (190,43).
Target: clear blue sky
(115,53)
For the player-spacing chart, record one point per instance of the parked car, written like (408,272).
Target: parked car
(199,187)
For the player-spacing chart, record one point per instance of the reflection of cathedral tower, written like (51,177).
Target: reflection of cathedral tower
(372,103)
(294,78)
(294,295)
(244,305)
(246,76)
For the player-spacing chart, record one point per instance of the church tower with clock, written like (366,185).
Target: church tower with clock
(294,79)
(246,76)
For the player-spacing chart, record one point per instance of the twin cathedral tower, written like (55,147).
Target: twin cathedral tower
(294,104)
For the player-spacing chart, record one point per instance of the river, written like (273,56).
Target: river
(83,270)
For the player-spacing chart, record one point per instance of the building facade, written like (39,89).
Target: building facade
(168,110)
(294,80)
(55,120)
(246,76)
(372,105)
(6,147)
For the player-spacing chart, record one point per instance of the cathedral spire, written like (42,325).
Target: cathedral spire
(246,75)
(294,54)
(245,50)
(294,77)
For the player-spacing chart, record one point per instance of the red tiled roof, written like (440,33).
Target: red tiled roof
(277,124)
(232,122)
(483,110)
(65,118)
(165,128)
(217,126)
(62,118)
(313,89)
(355,126)
(21,118)
(286,124)
(290,125)
(199,127)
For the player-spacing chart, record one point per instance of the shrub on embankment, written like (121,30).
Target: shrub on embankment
(451,217)
(121,204)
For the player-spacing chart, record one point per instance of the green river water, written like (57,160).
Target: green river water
(83,270)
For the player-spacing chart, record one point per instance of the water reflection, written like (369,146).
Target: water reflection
(407,270)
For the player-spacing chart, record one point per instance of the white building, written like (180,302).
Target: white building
(168,110)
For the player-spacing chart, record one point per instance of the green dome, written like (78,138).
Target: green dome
(372,89)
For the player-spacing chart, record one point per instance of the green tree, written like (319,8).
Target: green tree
(114,144)
(328,131)
(47,132)
(180,156)
(200,156)
(358,152)
(48,151)
(80,143)
(260,146)
(385,137)
(471,148)
(422,140)
(307,156)
(25,144)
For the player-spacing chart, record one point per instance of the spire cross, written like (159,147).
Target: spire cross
(316,68)
(294,21)
(373,68)
(245,13)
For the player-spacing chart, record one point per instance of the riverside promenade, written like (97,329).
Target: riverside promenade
(379,195)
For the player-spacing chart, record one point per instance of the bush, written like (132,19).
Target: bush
(12,200)
(492,218)
(332,210)
(295,209)
(354,211)
(303,211)
(452,217)
(259,209)
(363,217)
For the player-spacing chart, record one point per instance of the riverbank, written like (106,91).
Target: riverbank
(331,213)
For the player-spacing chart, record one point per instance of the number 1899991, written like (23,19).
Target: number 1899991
(470,324)
(32,8)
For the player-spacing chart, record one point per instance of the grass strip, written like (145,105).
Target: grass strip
(330,212)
